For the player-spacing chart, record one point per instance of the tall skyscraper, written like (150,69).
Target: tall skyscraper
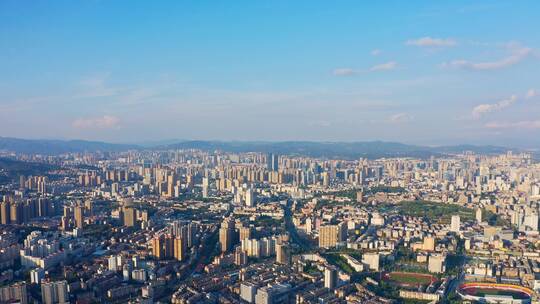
(455,223)
(180,248)
(250,197)
(436,263)
(129,217)
(272,162)
(429,243)
(163,246)
(331,235)
(5,213)
(205,187)
(330,278)
(16,213)
(15,293)
(227,235)
(245,233)
(479,215)
(54,292)
(79,216)
(283,255)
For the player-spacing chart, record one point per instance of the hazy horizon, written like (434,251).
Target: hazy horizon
(124,72)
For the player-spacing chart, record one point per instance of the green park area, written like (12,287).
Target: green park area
(433,211)
(408,278)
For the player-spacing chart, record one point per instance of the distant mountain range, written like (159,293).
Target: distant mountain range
(349,150)
(367,149)
(45,146)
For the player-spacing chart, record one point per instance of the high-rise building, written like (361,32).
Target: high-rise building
(15,293)
(479,215)
(129,216)
(5,213)
(283,255)
(44,207)
(245,233)
(240,256)
(273,294)
(89,206)
(272,162)
(429,243)
(359,196)
(436,263)
(248,291)
(79,216)
(331,235)
(54,292)
(163,246)
(16,213)
(250,197)
(192,229)
(36,275)
(205,187)
(455,223)
(372,259)
(227,235)
(112,263)
(180,248)
(330,277)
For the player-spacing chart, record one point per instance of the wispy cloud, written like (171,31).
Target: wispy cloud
(400,117)
(376,52)
(524,124)
(517,54)
(96,86)
(384,66)
(431,42)
(482,109)
(531,94)
(344,72)
(104,122)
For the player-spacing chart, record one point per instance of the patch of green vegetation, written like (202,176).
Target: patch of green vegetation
(339,261)
(352,252)
(432,211)
(385,289)
(410,278)
(95,231)
(494,219)
(452,298)
(386,189)
(265,220)
(324,203)
(311,269)
(14,168)
(351,193)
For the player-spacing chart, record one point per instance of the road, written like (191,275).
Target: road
(295,238)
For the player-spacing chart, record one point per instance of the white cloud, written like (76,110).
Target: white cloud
(104,122)
(400,117)
(531,93)
(384,66)
(376,52)
(524,124)
(485,108)
(344,72)
(431,42)
(96,86)
(517,54)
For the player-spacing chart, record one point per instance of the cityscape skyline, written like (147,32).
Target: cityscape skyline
(242,71)
(269,152)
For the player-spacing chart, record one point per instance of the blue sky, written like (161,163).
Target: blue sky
(423,72)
